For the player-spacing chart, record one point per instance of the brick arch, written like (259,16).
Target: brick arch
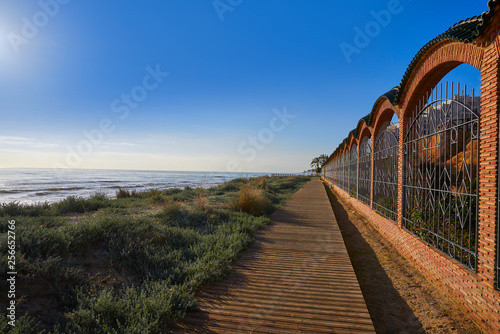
(364,131)
(352,141)
(383,113)
(343,146)
(340,151)
(435,64)
(346,144)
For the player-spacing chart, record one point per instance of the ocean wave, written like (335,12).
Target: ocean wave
(104,181)
(13,191)
(64,189)
(43,185)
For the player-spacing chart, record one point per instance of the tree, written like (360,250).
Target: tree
(318,162)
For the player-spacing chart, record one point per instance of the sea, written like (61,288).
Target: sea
(30,186)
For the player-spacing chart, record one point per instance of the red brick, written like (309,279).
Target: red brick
(475,291)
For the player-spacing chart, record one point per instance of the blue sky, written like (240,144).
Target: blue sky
(229,85)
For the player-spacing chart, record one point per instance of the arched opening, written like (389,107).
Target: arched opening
(329,170)
(440,164)
(364,174)
(338,170)
(345,168)
(353,171)
(333,169)
(385,169)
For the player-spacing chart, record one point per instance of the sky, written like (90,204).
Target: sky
(224,85)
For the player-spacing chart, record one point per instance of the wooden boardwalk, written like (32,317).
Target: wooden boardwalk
(296,278)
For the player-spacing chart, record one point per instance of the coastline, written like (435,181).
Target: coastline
(31,186)
(110,260)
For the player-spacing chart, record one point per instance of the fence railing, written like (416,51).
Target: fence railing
(440,159)
(435,173)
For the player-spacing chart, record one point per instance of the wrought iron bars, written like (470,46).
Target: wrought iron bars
(385,172)
(364,172)
(329,171)
(353,171)
(345,175)
(338,171)
(441,158)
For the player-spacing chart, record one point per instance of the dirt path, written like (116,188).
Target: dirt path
(399,298)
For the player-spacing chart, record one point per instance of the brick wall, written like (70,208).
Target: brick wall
(475,291)
(468,289)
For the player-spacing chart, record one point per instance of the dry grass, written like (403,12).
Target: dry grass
(124,193)
(201,201)
(261,182)
(253,200)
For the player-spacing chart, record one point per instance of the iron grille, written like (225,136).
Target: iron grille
(338,169)
(329,171)
(353,171)
(441,158)
(345,177)
(364,173)
(385,170)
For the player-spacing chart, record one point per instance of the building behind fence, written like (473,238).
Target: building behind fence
(432,177)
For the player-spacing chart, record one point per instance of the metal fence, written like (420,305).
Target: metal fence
(345,171)
(441,158)
(364,173)
(385,172)
(440,172)
(353,171)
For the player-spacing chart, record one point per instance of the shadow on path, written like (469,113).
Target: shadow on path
(389,311)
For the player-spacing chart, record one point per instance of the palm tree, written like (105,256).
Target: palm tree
(319,161)
(323,158)
(315,163)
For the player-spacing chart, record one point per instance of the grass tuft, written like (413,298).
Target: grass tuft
(124,193)
(253,200)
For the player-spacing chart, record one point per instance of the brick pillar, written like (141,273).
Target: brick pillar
(357,174)
(349,174)
(371,170)
(488,166)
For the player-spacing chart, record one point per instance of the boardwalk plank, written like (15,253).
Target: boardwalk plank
(296,278)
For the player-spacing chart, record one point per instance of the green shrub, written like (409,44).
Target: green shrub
(233,185)
(74,204)
(15,209)
(131,268)
(146,309)
(186,195)
(24,325)
(99,196)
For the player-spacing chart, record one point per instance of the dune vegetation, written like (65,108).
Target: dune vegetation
(130,264)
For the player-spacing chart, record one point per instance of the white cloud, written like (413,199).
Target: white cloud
(22,143)
(109,144)
(15,140)
(46,145)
